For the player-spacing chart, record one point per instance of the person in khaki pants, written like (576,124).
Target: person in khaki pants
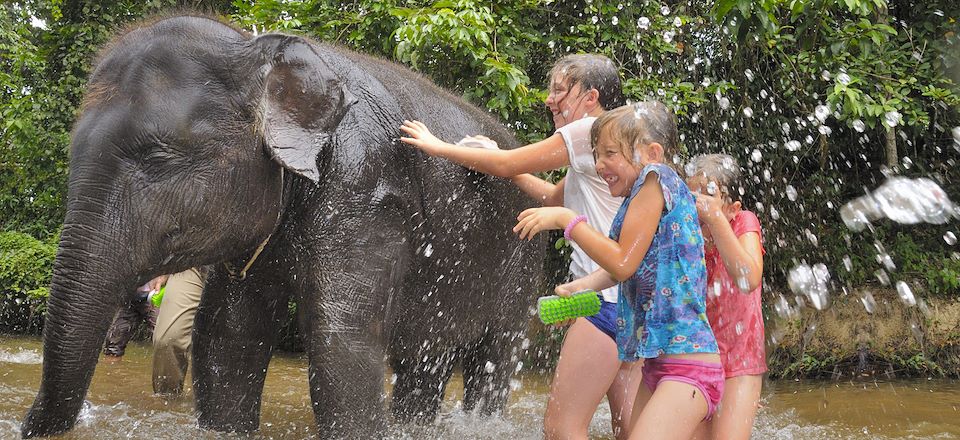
(172,334)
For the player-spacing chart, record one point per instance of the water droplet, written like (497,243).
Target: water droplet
(756,156)
(749,74)
(792,145)
(821,112)
(887,262)
(868,302)
(665,10)
(847,264)
(595,19)
(843,78)
(783,308)
(677,22)
(428,251)
(724,103)
(922,306)
(950,238)
(791,193)
(882,277)
(859,126)
(811,282)
(906,295)
(891,118)
(614,20)
(739,328)
(917,332)
(668,36)
(643,23)
(825,75)
(748,112)
(743,284)
(490,367)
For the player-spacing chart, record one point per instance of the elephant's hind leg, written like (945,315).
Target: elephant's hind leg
(420,388)
(234,335)
(487,369)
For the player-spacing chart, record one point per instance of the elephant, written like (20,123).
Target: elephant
(274,162)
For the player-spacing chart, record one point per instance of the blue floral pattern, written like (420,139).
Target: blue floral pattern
(661,309)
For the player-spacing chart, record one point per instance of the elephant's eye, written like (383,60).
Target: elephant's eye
(159,152)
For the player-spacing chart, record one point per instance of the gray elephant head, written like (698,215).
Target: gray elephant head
(171,168)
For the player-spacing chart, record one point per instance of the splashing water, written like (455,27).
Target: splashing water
(901,199)
(859,125)
(869,304)
(892,118)
(821,112)
(643,23)
(843,78)
(811,282)
(906,295)
(27,357)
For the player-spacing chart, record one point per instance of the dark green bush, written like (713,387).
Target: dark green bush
(26,265)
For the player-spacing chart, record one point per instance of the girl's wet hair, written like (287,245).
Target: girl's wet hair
(641,123)
(721,169)
(591,71)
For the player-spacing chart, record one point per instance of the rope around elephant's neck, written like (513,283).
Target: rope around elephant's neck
(243,272)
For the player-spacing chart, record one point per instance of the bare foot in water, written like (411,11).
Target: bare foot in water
(111,359)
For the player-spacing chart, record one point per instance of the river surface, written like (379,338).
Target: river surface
(120,404)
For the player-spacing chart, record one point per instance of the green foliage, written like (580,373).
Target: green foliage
(802,92)
(26,265)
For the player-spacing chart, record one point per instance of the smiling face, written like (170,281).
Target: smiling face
(567,101)
(613,166)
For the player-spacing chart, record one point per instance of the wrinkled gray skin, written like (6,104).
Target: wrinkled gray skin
(197,142)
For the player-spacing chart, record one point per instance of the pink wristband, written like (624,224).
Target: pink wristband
(573,223)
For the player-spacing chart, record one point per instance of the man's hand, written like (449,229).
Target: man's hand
(158,282)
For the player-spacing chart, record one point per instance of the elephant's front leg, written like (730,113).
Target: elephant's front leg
(344,308)
(234,334)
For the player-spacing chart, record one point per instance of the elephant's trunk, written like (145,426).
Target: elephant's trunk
(85,293)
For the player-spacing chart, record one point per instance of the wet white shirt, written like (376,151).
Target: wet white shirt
(586,193)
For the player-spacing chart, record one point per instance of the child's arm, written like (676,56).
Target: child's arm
(743,255)
(598,280)
(542,191)
(548,154)
(620,258)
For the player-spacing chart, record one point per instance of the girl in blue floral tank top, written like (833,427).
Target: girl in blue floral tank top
(655,251)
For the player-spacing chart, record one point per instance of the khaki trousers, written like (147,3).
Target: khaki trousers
(172,334)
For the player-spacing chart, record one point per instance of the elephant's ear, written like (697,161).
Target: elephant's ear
(303,102)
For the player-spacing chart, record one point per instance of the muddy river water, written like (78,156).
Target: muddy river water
(121,405)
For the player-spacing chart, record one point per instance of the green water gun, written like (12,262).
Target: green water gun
(156,297)
(555,308)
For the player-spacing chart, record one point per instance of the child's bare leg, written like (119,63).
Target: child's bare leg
(588,365)
(639,403)
(621,396)
(738,408)
(704,430)
(680,403)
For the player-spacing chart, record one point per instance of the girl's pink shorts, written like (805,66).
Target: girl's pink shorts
(705,376)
